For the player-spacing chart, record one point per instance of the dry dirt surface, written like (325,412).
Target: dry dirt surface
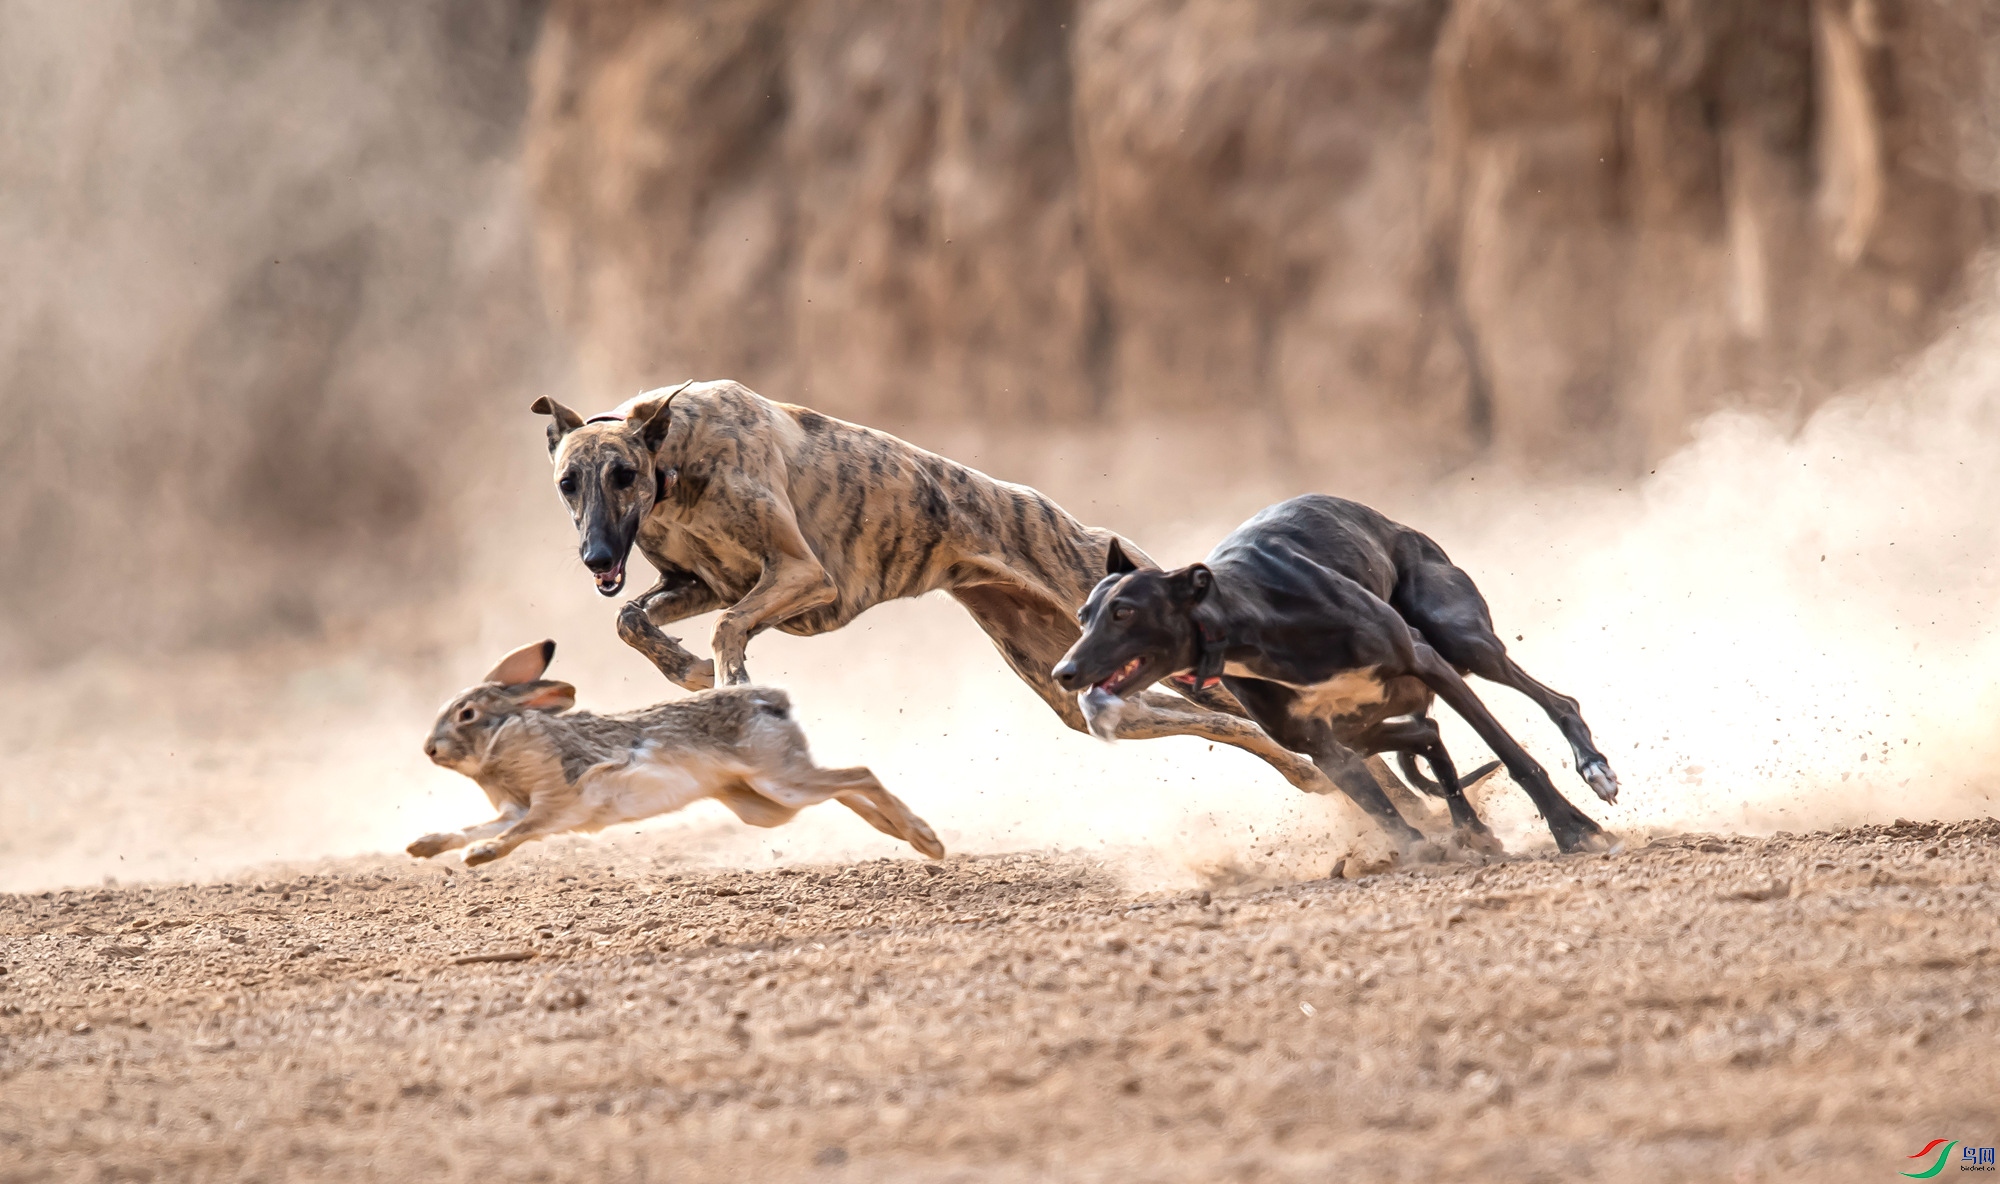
(1699,1008)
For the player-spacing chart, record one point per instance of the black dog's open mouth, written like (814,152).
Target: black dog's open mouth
(611,580)
(1123,678)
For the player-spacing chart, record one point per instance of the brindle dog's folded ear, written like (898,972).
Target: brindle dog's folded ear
(564,420)
(654,416)
(1116,562)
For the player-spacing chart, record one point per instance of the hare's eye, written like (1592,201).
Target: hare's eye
(467,714)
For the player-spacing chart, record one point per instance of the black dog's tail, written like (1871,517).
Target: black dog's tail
(1409,767)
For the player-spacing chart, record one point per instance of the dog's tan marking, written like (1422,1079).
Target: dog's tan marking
(1346,694)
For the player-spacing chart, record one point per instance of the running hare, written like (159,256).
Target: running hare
(550,770)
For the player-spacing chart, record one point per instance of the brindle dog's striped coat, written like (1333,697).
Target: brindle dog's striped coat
(785,518)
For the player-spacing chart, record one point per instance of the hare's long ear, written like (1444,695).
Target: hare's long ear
(654,416)
(543,695)
(562,420)
(524,665)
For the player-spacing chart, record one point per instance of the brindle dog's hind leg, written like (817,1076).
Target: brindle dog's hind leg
(678,596)
(1032,634)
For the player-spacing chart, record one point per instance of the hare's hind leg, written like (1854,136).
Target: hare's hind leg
(859,791)
(452,840)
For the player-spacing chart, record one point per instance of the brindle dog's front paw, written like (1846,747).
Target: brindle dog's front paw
(700,676)
(485,852)
(431,845)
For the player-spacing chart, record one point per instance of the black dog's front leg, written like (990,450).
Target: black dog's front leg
(678,596)
(1270,704)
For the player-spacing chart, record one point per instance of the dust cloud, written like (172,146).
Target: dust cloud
(255,529)
(1785,626)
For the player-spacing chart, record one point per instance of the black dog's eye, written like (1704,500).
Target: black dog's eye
(468,714)
(622,478)
(1122,613)
(567,485)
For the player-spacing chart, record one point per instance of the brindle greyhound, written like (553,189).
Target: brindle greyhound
(1333,626)
(785,518)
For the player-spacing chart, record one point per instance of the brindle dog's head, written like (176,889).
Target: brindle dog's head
(1138,627)
(610,476)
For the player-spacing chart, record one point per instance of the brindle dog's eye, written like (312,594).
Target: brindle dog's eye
(622,478)
(467,715)
(567,485)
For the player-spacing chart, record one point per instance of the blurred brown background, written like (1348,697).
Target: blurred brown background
(281,279)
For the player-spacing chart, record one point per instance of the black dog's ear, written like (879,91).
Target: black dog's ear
(563,421)
(1116,562)
(1192,584)
(654,416)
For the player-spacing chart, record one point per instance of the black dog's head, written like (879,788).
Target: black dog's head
(610,476)
(1138,627)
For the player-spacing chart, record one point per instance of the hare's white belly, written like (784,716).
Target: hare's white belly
(645,788)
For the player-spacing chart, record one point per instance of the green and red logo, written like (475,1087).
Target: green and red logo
(1936,1167)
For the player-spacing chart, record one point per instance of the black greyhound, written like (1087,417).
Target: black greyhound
(1333,626)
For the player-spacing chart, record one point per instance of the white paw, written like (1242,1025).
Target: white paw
(1101,712)
(1601,779)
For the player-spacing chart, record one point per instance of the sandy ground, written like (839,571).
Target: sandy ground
(1698,1008)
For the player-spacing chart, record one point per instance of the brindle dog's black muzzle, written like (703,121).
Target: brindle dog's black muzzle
(605,554)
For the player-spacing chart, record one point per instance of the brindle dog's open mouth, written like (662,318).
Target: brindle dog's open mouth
(1124,677)
(611,581)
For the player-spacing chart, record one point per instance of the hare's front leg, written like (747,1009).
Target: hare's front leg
(451,840)
(548,814)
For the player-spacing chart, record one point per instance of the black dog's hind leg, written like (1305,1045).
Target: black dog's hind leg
(1572,828)
(678,596)
(1446,607)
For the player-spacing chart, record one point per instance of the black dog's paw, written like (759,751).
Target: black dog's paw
(1602,781)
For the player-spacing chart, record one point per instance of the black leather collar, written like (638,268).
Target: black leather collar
(1209,650)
